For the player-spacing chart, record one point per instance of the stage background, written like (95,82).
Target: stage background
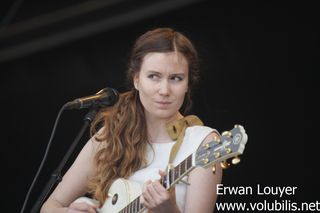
(258,64)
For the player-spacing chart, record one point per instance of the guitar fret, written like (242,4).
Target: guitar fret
(189,162)
(136,205)
(132,207)
(125,210)
(170,178)
(140,206)
(182,167)
(177,172)
(186,165)
(174,174)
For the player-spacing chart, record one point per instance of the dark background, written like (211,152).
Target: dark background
(258,65)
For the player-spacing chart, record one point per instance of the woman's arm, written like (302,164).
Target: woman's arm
(74,183)
(201,193)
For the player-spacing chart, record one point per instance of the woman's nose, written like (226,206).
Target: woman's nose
(164,87)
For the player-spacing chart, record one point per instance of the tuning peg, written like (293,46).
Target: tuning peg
(235,160)
(228,150)
(214,169)
(206,146)
(216,154)
(225,164)
(205,160)
(216,139)
(226,133)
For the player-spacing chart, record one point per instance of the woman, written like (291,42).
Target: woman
(134,142)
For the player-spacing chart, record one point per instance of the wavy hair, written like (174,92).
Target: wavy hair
(124,135)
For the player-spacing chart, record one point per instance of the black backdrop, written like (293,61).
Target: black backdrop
(258,70)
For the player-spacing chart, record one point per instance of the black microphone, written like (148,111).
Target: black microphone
(105,97)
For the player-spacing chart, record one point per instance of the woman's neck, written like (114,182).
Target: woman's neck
(157,129)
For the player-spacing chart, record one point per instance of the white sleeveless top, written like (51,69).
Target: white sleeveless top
(158,158)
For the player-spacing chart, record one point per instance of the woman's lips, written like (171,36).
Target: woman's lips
(163,104)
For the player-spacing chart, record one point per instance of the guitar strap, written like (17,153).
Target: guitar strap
(176,130)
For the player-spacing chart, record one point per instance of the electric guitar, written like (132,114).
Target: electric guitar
(123,195)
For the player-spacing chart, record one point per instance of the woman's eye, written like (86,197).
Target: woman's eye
(176,78)
(153,76)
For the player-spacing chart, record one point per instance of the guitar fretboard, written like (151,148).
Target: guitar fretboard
(134,206)
(167,181)
(178,172)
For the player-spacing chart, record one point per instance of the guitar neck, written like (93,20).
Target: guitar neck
(173,176)
(177,173)
(133,207)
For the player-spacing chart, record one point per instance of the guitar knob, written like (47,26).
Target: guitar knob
(225,164)
(226,133)
(114,199)
(235,160)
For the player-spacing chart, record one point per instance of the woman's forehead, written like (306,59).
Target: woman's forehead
(168,57)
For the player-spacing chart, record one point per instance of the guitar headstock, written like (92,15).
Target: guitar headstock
(231,144)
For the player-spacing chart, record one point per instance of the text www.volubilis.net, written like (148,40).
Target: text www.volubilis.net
(266,206)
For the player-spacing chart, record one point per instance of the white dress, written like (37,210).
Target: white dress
(158,157)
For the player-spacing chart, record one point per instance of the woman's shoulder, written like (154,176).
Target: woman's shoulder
(201,134)
(196,134)
(97,139)
(198,129)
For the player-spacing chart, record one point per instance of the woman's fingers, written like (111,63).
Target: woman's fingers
(154,194)
(82,207)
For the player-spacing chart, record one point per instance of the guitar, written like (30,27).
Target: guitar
(124,195)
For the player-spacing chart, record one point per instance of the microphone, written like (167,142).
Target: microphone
(105,97)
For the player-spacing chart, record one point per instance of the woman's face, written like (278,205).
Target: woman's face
(162,83)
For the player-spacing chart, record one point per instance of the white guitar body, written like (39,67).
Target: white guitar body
(121,193)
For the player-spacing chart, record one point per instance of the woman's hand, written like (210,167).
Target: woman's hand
(81,207)
(156,198)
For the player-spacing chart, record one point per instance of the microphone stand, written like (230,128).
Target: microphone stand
(56,175)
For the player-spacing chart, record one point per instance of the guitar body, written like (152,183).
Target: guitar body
(121,193)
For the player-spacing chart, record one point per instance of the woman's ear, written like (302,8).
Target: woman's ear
(136,81)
